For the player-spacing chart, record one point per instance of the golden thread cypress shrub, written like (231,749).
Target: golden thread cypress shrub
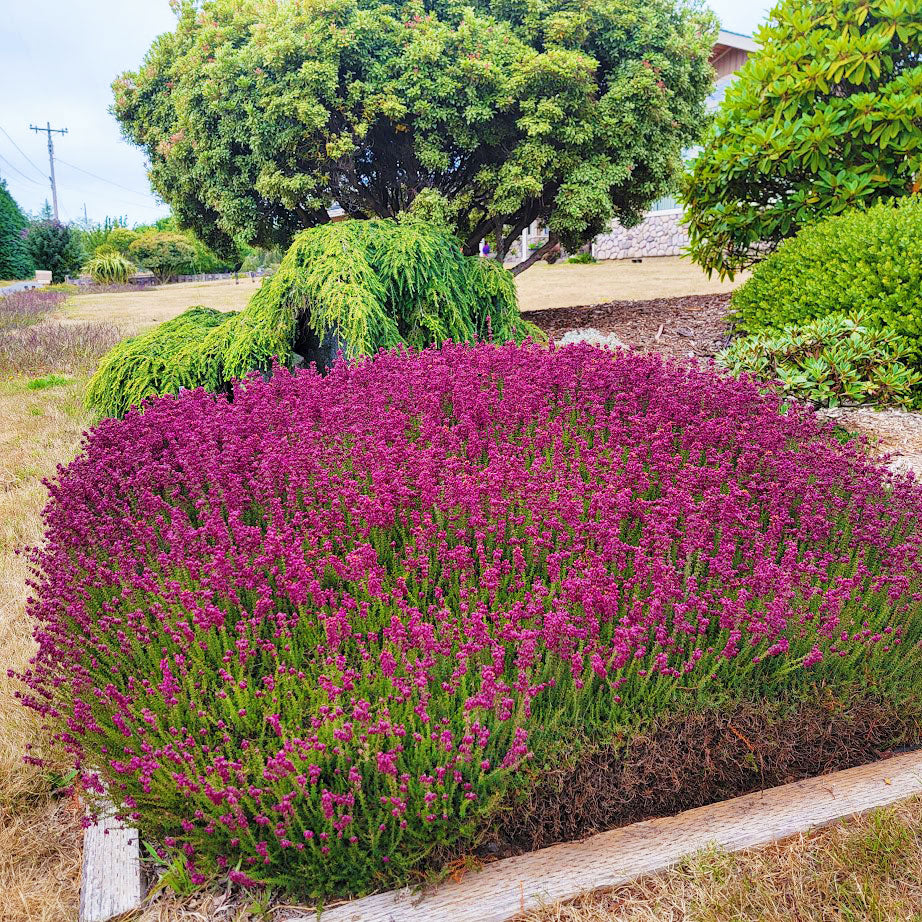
(371,285)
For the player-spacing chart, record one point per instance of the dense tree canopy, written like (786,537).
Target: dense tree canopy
(828,114)
(55,247)
(164,253)
(15,261)
(257,115)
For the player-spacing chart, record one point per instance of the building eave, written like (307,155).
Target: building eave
(727,39)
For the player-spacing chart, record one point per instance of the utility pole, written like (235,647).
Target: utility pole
(50,131)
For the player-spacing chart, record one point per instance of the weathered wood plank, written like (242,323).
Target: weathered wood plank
(503,889)
(111,879)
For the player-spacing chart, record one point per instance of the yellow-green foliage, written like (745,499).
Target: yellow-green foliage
(371,284)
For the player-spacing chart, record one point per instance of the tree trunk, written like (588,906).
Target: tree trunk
(538,254)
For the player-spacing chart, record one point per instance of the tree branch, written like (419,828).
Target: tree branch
(541,252)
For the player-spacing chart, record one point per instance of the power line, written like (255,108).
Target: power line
(21,151)
(20,172)
(103,179)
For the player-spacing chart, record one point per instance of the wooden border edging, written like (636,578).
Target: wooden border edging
(506,888)
(111,880)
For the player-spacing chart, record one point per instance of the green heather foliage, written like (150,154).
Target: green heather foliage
(859,261)
(55,247)
(164,253)
(257,116)
(826,115)
(15,261)
(371,284)
(109,267)
(835,360)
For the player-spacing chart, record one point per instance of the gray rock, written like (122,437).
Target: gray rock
(593,337)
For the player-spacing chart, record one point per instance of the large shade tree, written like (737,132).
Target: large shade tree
(825,116)
(258,115)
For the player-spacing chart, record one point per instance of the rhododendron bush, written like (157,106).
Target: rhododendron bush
(319,633)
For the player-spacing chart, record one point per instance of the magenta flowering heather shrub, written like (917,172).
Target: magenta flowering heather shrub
(315,634)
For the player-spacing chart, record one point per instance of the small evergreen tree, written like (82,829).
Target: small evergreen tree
(163,253)
(15,261)
(56,247)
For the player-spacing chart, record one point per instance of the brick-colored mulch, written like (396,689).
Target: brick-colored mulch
(691,326)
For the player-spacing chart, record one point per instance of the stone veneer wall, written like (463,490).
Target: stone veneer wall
(657,235)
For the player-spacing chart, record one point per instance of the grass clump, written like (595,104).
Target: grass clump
(319,636)
(358,286)
(110,268)
(46,381)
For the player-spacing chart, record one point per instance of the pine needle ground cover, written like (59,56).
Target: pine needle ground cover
(325,634)
(354,286)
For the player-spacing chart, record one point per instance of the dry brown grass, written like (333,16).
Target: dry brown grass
(138,310)
(39,832)
(542,286)
(565,285)
(862,870)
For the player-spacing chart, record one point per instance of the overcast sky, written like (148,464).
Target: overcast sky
(57,61)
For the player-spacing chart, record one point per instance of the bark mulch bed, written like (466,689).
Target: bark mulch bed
(692,326)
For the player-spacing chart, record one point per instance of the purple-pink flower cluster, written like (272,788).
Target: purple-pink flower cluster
(313,633)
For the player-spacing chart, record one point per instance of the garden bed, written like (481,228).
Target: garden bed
(343,631)
(692,326)
(698,326)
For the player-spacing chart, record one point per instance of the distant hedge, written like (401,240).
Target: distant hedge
(868,261)
(15,261)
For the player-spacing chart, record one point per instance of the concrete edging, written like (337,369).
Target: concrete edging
(110,882)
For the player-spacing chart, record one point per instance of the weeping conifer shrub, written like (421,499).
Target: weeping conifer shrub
(354,286)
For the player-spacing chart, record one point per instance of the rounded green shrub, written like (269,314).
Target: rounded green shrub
(164,253)
(835,360)
(109,267)
(120,239)
(858,261)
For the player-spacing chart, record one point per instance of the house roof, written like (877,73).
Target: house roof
(727,40)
